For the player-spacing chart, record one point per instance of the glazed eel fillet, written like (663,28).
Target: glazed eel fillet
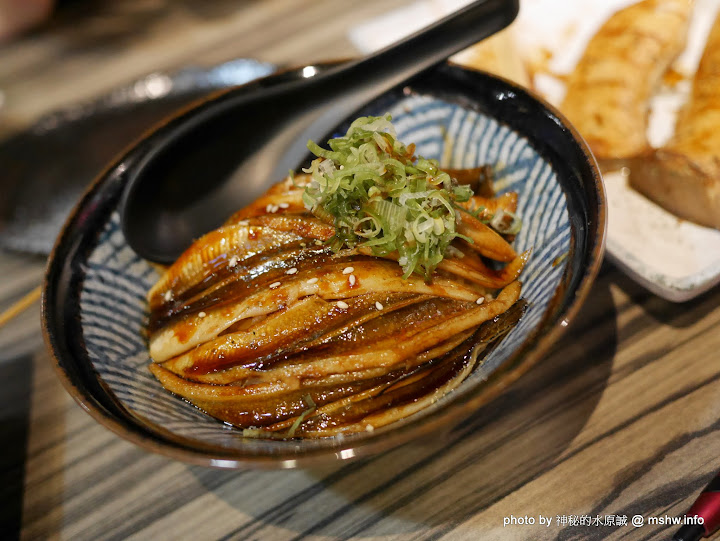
(247,325)
(270,324)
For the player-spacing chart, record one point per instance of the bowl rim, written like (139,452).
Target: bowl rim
(193,451)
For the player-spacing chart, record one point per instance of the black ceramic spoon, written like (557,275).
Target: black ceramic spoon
(182,185)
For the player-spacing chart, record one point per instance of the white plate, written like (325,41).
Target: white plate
(673,258)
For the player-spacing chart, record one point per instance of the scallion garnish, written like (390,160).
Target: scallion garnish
(378,194)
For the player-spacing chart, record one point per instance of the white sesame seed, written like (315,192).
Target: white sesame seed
(348,270)
(379,305)
(284,205)
(480,300)
(318,243)
(168,296)
(303,244)
(202,314)
(275,285)
(312,281)
(233,261)
(269,207)
(342,305)
(291,271)
(351,279)
(369,428)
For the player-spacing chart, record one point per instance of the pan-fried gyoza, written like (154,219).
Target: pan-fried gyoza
(343,299)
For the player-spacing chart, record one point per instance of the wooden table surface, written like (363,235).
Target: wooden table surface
(622,419)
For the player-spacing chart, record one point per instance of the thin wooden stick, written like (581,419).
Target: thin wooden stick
(23,304)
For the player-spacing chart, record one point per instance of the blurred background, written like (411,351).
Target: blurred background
(57,52)
(81,79)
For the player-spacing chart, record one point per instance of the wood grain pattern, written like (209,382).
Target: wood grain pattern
(622,421)
(622,418)
(93,47)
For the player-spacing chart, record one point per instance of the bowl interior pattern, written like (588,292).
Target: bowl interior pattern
(112,304)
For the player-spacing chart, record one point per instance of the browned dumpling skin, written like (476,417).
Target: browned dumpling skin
(497,54)
(684,176)
(608,93)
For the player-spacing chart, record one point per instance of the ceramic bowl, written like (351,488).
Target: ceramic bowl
(94,307)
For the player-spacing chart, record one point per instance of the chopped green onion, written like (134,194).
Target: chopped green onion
(377,194)
(502,224)
(311,408)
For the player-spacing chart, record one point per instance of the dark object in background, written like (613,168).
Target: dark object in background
(705,508)
(44,170)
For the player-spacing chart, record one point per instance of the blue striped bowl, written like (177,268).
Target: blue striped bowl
(94,308)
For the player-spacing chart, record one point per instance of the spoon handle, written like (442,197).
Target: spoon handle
(257,134)
(421,50)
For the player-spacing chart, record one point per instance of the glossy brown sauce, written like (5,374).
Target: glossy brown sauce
(185,330)
(426,379)
(226,286)
(332,326)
